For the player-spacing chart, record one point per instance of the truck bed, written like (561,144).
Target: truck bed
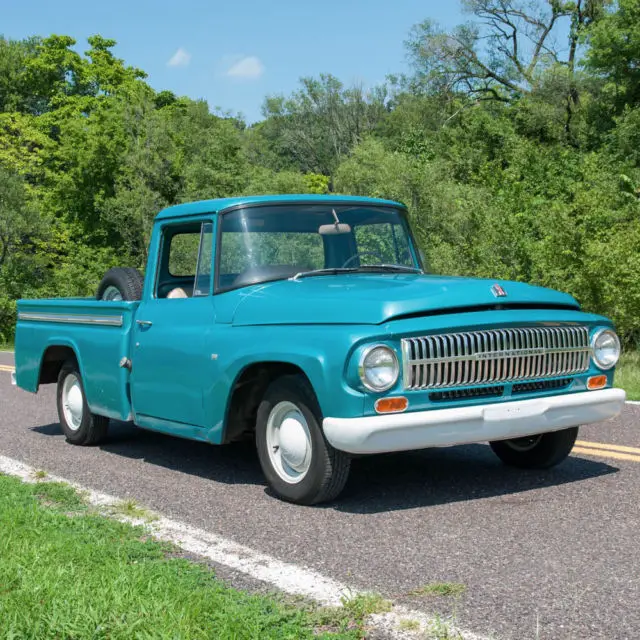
(98,333)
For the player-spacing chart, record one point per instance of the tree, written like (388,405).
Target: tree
(316,127)
(507,52)
(614,54)
(18,219)
(14,57)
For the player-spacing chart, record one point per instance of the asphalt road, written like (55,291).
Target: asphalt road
(551,555)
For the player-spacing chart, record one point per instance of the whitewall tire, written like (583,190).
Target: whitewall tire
(78,424)
(298,463)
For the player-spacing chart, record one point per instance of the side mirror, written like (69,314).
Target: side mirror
(337,229)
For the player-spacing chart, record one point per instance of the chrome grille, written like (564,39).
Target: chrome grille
(494,356)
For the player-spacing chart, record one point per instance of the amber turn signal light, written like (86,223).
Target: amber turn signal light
(596,382)
(391,405)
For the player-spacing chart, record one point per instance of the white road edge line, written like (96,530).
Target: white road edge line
(284,576)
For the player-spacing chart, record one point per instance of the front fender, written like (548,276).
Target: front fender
(319,351)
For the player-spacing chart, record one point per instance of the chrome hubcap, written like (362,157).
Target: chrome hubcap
(112,293)
(289,442)
(72,402)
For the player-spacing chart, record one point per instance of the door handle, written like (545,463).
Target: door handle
(144,323)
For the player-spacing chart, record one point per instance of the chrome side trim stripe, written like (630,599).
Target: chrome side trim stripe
(107,321)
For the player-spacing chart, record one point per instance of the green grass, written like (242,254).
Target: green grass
(628,374)
(407,624)
(440,629)
(131,509)
(69,572)
(440,589)
(366,604)
(58,495)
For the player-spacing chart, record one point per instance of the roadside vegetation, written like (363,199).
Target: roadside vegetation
(69,572)
(628,375)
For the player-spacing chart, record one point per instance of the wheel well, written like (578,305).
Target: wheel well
(247,393)
(52,361)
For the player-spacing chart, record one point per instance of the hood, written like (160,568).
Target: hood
(366,298)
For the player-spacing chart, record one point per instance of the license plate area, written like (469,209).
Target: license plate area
(514,412)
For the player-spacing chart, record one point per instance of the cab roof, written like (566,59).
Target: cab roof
(220,204)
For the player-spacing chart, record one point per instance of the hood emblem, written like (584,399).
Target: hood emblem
(498,291)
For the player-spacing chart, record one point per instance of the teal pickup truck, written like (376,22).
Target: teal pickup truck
(309,324)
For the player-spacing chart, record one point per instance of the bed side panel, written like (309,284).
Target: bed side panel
(98,333)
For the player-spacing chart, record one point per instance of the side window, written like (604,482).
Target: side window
(202,286)
(185,269)
(183,254)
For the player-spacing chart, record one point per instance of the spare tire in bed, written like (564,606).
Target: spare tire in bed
(121,283)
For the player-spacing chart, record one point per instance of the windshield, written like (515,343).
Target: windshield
(259,244)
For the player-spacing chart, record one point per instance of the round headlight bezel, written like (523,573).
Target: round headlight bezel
(361,368)
(594,339)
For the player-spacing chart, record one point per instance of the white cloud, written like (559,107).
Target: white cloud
(245,68)
(180,58)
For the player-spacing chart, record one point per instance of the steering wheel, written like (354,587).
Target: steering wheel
(357,256)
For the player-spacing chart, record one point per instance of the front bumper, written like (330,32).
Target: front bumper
(464,425)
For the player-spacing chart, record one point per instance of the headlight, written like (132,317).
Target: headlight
(606,348)
(379,368)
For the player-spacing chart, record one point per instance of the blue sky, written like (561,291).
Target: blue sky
(234,53)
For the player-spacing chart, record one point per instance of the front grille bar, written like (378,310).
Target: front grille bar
(494,356)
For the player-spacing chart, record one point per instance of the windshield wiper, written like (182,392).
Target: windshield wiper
(365,267)
(324,272)
(389,267)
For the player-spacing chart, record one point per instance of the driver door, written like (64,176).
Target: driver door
(171,360)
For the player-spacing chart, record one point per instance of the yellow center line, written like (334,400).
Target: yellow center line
(6,367)
(601,453)
(608,447)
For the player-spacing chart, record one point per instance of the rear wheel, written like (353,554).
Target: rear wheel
(121,283)
(298,463)
(536,452)
(79,425)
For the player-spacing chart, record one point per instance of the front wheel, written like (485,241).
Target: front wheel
(79,425)
(536,452)
(298,463)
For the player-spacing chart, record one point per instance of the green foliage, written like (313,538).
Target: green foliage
(614,52)
(628,375)
(316,127)
(518,164)
(18,219)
